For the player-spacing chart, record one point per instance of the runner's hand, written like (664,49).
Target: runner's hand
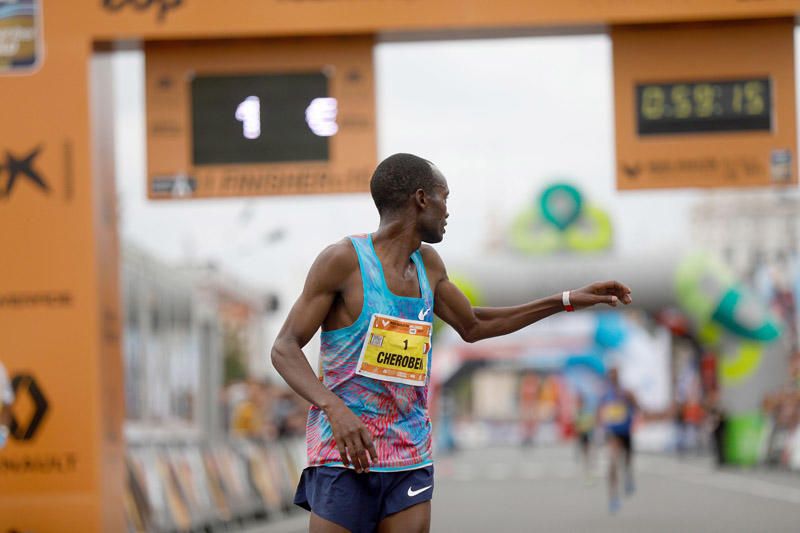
(601,292)
(352,438)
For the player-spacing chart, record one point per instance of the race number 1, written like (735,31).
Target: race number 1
(396,350)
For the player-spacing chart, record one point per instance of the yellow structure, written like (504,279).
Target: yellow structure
(59,308)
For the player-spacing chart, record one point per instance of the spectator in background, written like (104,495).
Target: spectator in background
(285,411)
(680,426)
(6,399)
(794,370)
(262,410)
(693,416)
(785,410)
(716,422)
(247,420)
(782,408)
(528,395)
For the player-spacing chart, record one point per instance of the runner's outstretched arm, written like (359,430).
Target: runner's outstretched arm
(324,281)
(476,323)
(646,414)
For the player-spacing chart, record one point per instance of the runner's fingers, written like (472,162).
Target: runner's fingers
(610,300)
(348,453)
(373,453)
(362,457)
(611,287)
(355,449)
(364,444)
(343,454)
(623,292)
(368,444)
(626,298)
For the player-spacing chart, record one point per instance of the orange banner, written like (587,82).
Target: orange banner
(60,471)
(191,19)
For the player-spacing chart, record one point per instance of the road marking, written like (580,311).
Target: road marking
(726,481)
(509,471)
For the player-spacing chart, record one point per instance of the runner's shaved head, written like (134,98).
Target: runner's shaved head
(397,177)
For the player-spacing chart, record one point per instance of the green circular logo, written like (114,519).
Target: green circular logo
(561,205)
(562,221)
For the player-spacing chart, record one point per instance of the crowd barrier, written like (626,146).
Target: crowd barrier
(203,487)
(783,448)
(193,486)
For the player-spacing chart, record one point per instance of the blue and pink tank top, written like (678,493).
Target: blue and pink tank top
(379,366)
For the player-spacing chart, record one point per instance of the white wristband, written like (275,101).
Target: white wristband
(566,302)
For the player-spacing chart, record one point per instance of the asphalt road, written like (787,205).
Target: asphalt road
(544,489)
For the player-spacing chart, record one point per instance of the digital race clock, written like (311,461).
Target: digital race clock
(704,106)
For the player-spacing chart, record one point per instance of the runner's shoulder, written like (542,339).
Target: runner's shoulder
(431,258)
(336,261)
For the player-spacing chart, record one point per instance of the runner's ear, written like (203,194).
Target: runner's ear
(419,198)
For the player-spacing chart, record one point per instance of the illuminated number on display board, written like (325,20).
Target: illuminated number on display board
(681,102)
(248,112)
(653,102)
(753,98)
(321,116)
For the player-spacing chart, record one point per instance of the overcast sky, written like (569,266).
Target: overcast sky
(501,118)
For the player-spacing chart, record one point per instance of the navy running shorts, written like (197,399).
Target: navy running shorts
(359,502)
(624,438)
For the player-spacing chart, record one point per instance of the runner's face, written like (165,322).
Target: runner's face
(434,218)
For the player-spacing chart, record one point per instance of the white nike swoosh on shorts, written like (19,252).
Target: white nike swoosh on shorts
(412,493)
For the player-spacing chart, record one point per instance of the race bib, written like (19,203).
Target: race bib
(396,349)
(615,413)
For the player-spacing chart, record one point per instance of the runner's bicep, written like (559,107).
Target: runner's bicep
(452,306)
(306,317)
(634,403)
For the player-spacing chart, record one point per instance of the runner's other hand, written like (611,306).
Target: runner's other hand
(352,438)
(601,292)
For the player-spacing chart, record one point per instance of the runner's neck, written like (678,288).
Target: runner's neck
(394,242)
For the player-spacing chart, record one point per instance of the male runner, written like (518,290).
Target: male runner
(616,410)
(368,430)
